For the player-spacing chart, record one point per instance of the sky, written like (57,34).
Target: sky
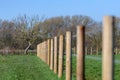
(96,9)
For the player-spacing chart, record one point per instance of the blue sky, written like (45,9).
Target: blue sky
(96,9)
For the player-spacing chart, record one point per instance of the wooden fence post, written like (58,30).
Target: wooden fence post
(108,48)
(41,51)
(55,55)
(60,67)
(38,50)
(68,55)
(44,51)
(52,55)
(48,51)
(80,52)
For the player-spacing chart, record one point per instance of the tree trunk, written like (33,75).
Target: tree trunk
(26,50)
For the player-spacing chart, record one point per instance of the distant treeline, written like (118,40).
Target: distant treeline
(24,31)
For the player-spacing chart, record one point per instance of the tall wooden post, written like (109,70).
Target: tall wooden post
(60,67)
(44,51)
(55,55)
(48,51)
(68,55)
(52,55)
(38,50)
(80,52)
(41,51)
(108,48)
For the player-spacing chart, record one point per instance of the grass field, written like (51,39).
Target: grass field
(93,67)
(30,67)
(24,67)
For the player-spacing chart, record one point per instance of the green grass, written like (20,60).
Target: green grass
(93,69)
(24,67)
(115,56)
(30,67)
